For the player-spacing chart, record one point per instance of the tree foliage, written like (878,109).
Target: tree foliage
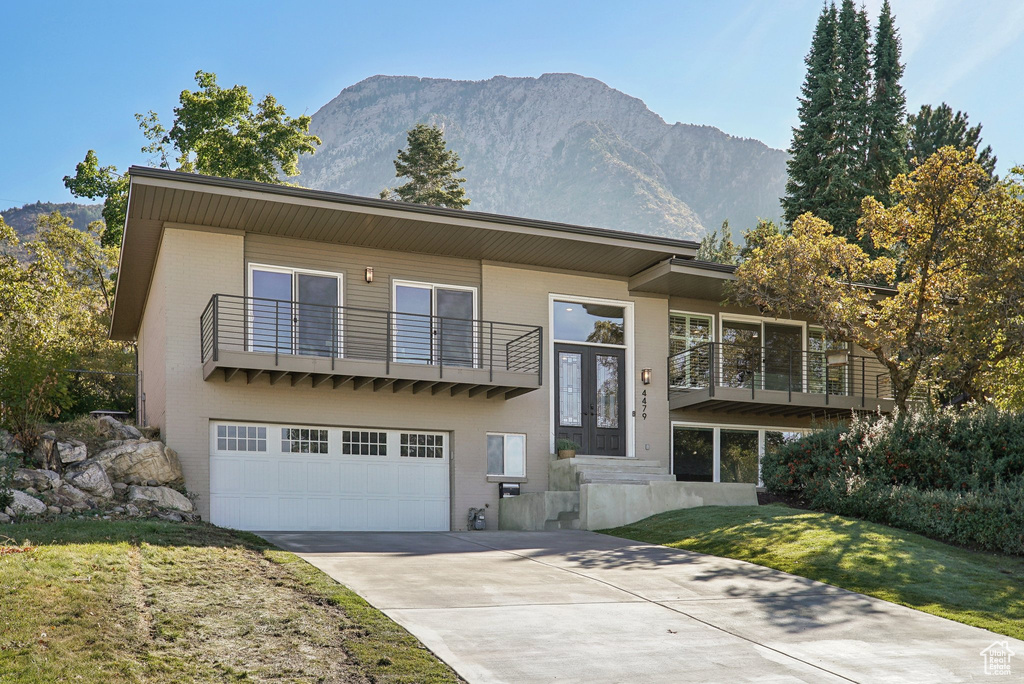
(431,169)
(887,134)
(102,182)
(953,269)
(216,131)
(933,128)
(718,248)
(54,314)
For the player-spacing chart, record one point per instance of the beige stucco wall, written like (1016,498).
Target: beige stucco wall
(151,350)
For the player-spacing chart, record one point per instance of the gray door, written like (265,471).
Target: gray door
(316,324)
(454,326)
(783,357)
(590,403)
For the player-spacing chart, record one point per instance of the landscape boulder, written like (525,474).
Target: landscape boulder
(139,461)
(40,480)
(163,497)
(23,504)
(8,444)
(90,477)
(71,452)
(44,449)
(115,429)
(70,495)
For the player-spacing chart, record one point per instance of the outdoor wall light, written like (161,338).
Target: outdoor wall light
(369,274)
(645,376)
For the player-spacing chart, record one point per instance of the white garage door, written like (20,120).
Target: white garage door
(303,477)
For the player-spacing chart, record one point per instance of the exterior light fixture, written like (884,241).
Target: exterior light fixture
(645,376)
(369,274)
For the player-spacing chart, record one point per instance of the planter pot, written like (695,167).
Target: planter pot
(566,453)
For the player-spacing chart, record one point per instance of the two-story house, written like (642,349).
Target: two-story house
(323,361)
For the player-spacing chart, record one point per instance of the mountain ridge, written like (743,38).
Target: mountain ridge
(560,147)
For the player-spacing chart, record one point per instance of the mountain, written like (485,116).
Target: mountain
(23,219)
(560,147)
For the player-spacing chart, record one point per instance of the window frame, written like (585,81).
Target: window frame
(717,442)
(294,271)
(504,452)
(433,286)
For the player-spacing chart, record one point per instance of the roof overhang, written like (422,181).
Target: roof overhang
(684,278)
(159,198)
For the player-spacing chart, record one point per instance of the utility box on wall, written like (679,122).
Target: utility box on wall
(508,489)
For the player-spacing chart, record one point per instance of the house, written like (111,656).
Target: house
(322,361)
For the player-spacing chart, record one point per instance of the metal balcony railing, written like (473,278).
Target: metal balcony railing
(288,328)
(830,373)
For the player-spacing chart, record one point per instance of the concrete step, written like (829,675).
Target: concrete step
(617,461)
(612,468)
(624,478)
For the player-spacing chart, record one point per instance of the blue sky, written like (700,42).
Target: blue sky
(74,73)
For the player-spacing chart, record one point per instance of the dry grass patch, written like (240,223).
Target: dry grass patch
(113,601)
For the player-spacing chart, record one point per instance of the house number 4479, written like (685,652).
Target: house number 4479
(643,404)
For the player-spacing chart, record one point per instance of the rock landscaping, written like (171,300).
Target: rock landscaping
(133,475)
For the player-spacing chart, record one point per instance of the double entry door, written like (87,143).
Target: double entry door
(590,407)
(434,324)
(294,312)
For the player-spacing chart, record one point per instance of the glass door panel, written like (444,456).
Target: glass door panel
(607,367)
(455,328)
(270,312)
(690,367)
(738,451)
(413,326)
(317,319)
(783,357)
(570,389)
(741,354)
(823,376)
(693,454)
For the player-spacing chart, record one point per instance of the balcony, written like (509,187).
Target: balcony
(754,380)
(392,351)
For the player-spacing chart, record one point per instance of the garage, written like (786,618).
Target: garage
(266,476)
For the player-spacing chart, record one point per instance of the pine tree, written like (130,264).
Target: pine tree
(848,164)
(431,169)
(931,129)
(811,150)
(888,138)
(719,249)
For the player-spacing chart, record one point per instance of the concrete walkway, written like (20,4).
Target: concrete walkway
(573,606)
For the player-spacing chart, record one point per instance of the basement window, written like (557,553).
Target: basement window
(506,454)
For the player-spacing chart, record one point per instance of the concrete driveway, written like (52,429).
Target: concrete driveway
(583,607)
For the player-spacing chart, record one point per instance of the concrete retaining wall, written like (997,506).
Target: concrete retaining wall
(610,505)
(531,510)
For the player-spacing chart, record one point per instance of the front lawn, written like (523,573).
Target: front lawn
(976,588)
(122,601)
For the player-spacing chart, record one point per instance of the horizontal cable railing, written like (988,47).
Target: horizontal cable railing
(289,328)
(830,373)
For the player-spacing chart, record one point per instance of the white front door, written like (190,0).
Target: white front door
(268,477)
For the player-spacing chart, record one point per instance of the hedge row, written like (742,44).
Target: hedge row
(957,476)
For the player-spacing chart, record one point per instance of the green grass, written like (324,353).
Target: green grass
(132,601)
(976,588)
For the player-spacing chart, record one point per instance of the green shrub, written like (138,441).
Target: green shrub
(7,467)
(957,476)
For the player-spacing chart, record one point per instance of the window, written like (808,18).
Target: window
(293,311)
(690,366)
(241,438)
(364,443)
(724,454)
(594,323)
(826,372)
(506,454)
(421,445)
(434,324)
(303,441)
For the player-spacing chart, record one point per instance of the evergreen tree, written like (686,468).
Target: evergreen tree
(431,169)
(716,248)
(931,129)
(811,151)
(887,143)
(848,164)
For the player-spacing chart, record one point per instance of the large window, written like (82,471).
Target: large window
(593,323)
(762,355)
(435,324)
(506,454)
(704,453)
(826,372)
(690,363)
(294,311)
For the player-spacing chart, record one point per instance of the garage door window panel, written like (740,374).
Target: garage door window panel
(303,441)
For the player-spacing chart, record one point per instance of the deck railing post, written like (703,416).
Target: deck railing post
(216,330)
(277,329)
(387,344)
(440,348)
(712,370)
(490,351)
(540,356)
(862,382)
(790,376)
